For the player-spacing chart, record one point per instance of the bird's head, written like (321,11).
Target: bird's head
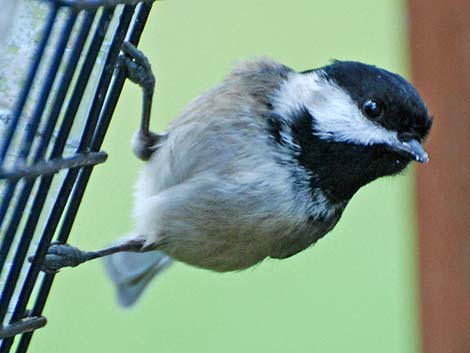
(351,123)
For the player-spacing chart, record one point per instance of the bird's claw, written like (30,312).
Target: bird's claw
(137,65)
(61,255)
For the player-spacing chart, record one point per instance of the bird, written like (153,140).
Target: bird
(260,166)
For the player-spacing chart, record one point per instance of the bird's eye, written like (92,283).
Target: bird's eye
(372,109)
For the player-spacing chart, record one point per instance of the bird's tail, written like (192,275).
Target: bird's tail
(131,272)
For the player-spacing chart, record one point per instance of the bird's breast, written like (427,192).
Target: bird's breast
(304,235)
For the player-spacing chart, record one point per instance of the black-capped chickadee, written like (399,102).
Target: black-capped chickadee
(262,165)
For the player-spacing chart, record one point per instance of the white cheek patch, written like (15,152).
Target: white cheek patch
(337,117)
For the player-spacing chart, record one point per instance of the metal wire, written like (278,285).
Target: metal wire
(28,182)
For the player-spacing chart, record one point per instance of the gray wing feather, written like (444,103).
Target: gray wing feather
(132,272)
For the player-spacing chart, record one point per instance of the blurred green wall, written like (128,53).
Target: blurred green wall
(353,292)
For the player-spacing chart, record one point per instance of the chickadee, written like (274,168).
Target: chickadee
(262,165)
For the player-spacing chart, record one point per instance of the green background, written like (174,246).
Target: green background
(355,291)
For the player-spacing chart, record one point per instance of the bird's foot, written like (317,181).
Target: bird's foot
(61,255)
(139,71)
(137,66)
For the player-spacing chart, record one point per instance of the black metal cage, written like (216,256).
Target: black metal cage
(52,141)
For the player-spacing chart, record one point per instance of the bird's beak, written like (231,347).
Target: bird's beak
(411,149)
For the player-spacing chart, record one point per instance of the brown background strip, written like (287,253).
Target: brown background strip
(440,48)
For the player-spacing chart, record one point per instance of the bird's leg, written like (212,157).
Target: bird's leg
(139,71)
(65,255)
